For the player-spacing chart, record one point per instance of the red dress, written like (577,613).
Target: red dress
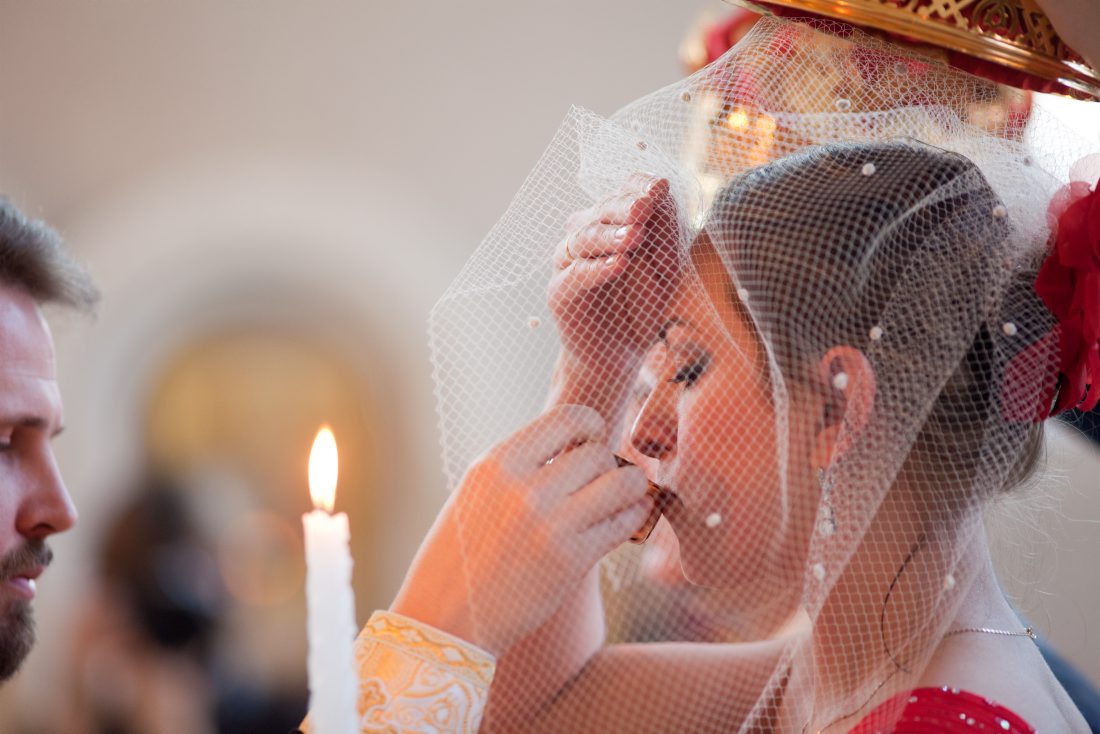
(940,710)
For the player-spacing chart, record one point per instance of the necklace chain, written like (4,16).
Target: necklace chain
(1027,632)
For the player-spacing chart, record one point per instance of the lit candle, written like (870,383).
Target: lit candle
(333,682)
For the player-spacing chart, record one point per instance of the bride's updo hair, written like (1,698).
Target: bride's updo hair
(873,245)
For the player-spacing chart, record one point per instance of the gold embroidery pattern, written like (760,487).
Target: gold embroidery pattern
(415,679)
(1015,34)
(431,645)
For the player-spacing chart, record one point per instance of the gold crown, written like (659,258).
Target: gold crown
(1011,34)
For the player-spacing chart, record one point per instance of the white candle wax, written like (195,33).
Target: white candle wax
(333,681)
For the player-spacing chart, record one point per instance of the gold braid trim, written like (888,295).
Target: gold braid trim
(431,645)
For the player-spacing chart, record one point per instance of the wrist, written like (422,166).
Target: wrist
(438,599)
(442,610)
(434,590)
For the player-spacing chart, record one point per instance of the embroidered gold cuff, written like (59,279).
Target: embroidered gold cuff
(431,645)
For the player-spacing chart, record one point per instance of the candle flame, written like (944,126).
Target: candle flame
(324,466)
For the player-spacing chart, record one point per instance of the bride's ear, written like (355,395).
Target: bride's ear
(847,384)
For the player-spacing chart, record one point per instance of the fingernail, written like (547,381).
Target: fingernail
(621,232)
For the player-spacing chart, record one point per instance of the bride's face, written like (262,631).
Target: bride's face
(713,435)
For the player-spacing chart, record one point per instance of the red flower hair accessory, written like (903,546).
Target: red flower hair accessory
(1069,285)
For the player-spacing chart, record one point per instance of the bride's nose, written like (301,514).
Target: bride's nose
(654,430)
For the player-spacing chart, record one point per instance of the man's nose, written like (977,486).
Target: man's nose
(654,430)
(47,507)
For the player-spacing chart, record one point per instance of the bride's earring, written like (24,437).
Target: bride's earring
(826,518)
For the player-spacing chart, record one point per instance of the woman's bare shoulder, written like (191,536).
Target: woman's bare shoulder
(1010,672)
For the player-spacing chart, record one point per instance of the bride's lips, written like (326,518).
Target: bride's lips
(23,582)
(663,500)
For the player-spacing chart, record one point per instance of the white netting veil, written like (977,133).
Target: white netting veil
(796,290)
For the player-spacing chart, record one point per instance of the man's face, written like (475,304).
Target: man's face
(33,501)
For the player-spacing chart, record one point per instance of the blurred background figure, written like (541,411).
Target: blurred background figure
(271,195)
(148,652)
(142,657)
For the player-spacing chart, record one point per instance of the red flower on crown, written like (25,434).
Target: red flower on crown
(1069,285)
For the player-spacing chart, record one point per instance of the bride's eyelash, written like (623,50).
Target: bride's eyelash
(690,373)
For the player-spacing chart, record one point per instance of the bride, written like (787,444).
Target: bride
(854,338)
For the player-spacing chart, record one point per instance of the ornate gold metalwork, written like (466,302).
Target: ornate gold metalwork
(1013,34)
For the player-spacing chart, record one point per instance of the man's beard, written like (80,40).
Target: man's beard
(16,637)
(16,618)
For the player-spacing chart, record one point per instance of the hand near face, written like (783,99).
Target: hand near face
(615,271)
(528,522)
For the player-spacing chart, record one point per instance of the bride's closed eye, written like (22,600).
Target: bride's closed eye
(690,373)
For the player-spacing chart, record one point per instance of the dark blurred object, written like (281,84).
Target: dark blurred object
(145,635)
(1087,423)
(146,655)
(155,554)
(244,709)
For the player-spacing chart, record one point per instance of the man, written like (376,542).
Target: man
(35,270)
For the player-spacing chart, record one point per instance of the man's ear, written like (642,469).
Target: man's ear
(847,382)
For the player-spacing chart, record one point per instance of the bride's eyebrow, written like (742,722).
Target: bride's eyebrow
(662,335)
